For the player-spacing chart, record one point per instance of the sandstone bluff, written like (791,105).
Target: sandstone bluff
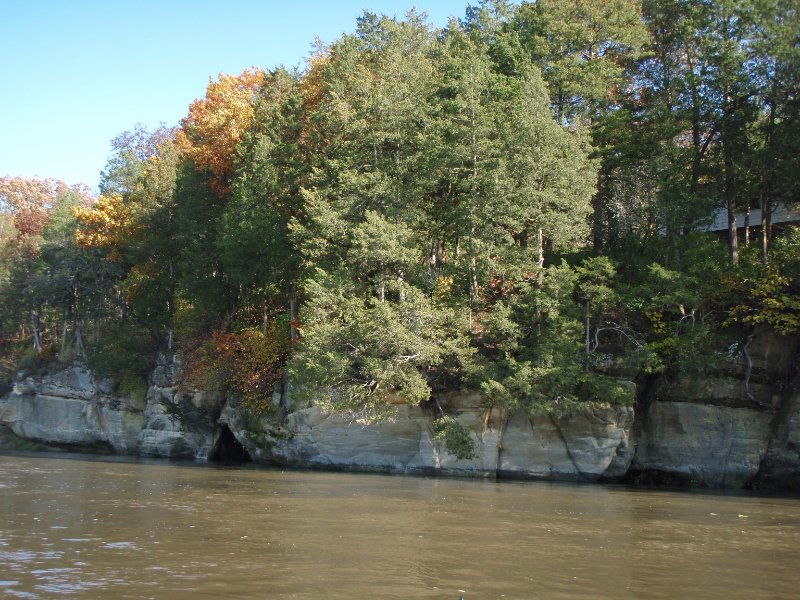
(719,432)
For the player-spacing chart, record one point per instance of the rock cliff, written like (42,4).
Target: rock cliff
(583,447)
(72,409)
(718,431)
(726,429)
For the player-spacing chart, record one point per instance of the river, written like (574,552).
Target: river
(93,527)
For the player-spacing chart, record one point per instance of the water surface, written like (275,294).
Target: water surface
(93,528)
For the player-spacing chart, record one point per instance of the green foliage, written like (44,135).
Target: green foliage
(684,350)
(8,366)
(126,353)
(35,363)
(454,437)
(259,365)
(594,284)
(358,354)
(768,300)
(539,359)
(584,49)
(517,203)
(133,385)
(786,255)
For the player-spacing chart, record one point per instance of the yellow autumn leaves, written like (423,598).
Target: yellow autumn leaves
(108,223)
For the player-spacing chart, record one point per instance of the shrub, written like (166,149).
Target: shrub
(125,353)
(246,364)
(455,437)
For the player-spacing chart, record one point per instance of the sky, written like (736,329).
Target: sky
(76,73)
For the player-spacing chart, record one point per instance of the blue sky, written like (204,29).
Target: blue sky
(74,74)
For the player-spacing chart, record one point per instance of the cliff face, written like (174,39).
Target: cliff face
(781,465)
(717,432)
(75,411)
(584,447)
(724,430)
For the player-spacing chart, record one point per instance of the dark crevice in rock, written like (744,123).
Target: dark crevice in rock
(228,450)
(567,449)
(780,468)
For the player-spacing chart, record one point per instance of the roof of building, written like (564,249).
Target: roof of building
(781,214)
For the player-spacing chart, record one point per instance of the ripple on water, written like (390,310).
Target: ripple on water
(19,594)
(121,546)
(22,556)
(54,571)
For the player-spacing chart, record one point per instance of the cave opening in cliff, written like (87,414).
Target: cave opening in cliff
(228,450)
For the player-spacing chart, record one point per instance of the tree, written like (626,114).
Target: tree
(776,64)
(33,290)
(516,180)
(131,151)
(535,359)
(585,50)
(29,202)
(215,124)
(371,330)
(440,172)
(254,244)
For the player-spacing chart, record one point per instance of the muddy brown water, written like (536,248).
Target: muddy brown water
(101,528)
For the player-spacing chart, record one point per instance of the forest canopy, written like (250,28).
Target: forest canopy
(520,203)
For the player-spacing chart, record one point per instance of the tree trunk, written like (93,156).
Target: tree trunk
(64,335)
(401,290)
(540,255)
(747,226)
(588,330)
(765,193)
(733,237)
(78,338)
(293,334)
(729,187)
(763,202)
(473,290)
(695,112)
(170,298)
(37,340)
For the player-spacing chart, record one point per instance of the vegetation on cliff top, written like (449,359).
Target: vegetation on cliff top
(517,203)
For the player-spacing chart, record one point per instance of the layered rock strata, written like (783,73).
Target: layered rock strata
(583,447)
(739,427)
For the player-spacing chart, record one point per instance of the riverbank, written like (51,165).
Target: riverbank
(719,433)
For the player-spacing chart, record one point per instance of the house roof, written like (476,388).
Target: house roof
(780,214)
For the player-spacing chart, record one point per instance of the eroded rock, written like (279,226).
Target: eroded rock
(703,444)
(781,466)
(586,446)
(69,409)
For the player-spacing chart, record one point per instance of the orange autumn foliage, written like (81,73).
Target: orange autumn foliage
(29,201)
(247,364)
(216,123)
